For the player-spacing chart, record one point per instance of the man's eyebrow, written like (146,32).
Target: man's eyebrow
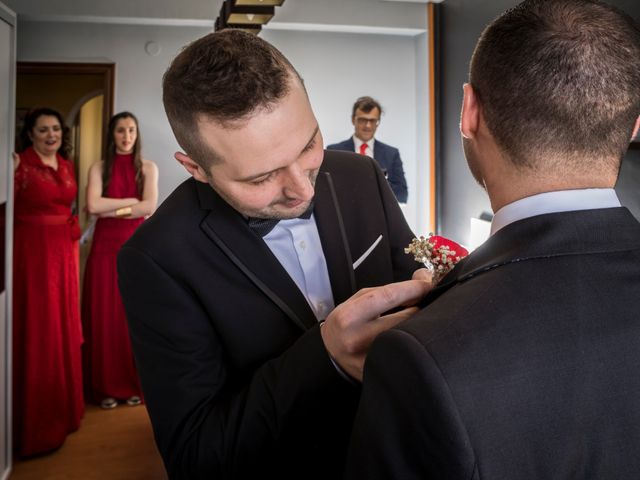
(258,175)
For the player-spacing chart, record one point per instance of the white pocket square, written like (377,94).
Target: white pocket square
(362,258)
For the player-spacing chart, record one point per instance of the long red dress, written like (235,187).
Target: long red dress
(108,360)
(47,363)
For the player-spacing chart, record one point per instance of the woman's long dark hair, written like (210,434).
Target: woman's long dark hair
(30,123)
(110,152)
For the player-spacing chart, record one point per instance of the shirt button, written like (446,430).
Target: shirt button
(302,244)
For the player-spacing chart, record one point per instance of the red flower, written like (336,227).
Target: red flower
(438,254)
(439,241)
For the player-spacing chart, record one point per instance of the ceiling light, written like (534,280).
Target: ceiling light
(246,15)
(274,3)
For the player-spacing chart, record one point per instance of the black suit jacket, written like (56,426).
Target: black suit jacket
(235,375)
(524,365)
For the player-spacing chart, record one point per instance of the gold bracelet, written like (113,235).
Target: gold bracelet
(123,212)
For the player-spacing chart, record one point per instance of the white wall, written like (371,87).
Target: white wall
(138,75)
(361,13)
(337,67)
(340,67)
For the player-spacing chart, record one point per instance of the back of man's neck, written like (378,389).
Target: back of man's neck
(517,188)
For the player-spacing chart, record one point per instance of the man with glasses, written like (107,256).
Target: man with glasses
(366,118)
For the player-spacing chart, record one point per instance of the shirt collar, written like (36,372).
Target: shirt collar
(554,202)
(357,142)
(291,223)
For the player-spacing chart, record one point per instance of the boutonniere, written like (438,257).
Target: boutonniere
(438,254)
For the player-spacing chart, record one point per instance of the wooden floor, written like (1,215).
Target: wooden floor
(110,444)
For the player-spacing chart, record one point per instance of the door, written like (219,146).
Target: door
(7,83)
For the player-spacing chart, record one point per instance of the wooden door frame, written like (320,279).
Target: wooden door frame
(434,14)
(107,70)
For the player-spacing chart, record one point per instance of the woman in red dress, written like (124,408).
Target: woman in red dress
(47,364)
(122,191)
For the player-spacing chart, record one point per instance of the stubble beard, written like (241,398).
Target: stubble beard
(271,211)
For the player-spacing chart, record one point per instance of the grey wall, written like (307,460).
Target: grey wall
(463,21)
(628,186)
(421,194)
(461,198)
(337,67)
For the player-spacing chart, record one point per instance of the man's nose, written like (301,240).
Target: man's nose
(299,184)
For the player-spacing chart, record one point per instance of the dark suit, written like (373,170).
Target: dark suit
(236,377)
(523,366)
(388,158)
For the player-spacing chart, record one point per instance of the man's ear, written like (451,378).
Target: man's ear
(636,128)
(470,116)
(194,169)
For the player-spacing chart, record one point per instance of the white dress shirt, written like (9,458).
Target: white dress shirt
(369,151)
(296,245)
(554,202)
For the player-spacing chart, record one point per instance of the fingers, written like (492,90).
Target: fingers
(423,274)
(375,327)
(351,327)
(369,303)
(382,299)
(389,321)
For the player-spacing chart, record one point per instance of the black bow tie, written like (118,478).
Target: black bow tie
(262,226)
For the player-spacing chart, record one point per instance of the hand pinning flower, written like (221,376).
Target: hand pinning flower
(438,254)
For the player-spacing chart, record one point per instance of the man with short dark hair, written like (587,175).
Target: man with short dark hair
(226,285)
(524,363)
(365,117)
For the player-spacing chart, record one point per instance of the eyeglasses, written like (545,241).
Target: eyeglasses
(364,121)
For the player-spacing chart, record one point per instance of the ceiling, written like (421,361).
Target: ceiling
(400,17)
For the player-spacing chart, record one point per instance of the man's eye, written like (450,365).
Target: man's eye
(262,180)
(310,146)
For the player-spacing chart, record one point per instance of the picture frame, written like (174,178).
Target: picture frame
(21,115)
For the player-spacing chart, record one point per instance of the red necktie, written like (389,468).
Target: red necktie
(363,149)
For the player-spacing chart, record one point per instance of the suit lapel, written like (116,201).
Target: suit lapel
(334,239)
(546,236)
(230,232)
(350,144)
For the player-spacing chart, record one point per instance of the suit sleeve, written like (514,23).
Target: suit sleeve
(407,426)
(396,177)
(209,421)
